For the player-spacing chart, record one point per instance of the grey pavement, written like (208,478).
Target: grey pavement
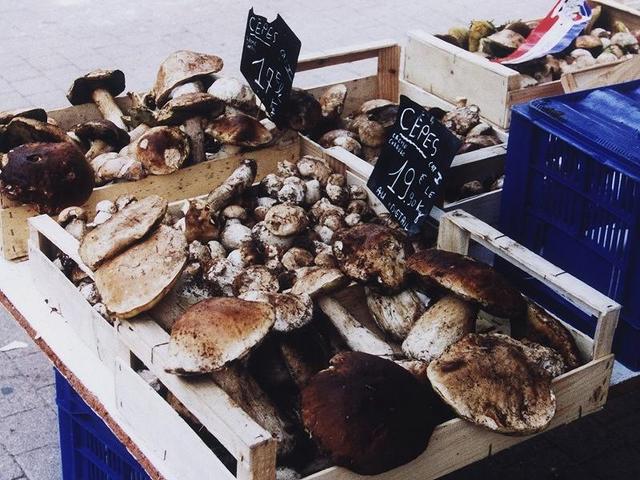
(45,44)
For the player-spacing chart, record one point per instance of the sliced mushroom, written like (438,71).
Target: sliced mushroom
(443,324)
(138,278)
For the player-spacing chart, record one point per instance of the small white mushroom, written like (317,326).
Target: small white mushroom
(312,193)
(323,206)
(199,253)
(216,249)
(292,191)
(332,220)
(90,292)
(360,207)
(358,192)
(236,212)
(325,233)
(287,169)
(270,244)
(271,184)
(297,257)
(255,278)
(314,168)
(234,234)
(352,219)
(222,274)
(335,189)
(325,259)
(74,221)
(285,220)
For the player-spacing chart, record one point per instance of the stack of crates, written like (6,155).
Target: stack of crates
(89,450)
(572,195)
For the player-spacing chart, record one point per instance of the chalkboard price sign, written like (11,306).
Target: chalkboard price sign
(269,61)
(412,165)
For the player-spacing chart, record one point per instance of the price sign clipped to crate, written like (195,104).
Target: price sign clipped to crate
(269,61)
(410,171)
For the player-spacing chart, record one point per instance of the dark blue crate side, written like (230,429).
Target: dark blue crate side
(89,450)
(572,195)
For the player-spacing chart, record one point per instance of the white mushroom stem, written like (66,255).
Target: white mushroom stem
(193,126)
(108,107)
(357,336)
(241,179)
(246,392)
(98,147)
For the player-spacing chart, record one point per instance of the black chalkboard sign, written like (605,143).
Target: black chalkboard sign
(269,61)
(411,167)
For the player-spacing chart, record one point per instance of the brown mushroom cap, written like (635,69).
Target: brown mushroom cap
(216,331)
(373,254)
(302,111)
(82,88)
(27,130)
(140,277)
(103,130)
(50,175)
(162,150)
(34,113)
(332,101)
(489,380)
(385,115)
(239,129)
(546,330)
(189,105)
(236,94)
(180,67)
(469,279)
(368,413)
(291,311)
(122,230)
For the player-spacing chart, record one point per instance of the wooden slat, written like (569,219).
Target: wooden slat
(342,55)
(185,183)
(389,73)
(588,299)
(622,71)
(457,443)
(180,449)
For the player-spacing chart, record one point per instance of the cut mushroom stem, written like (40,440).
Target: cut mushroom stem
(193,126)
(356,335)
(108,107)
(245,391)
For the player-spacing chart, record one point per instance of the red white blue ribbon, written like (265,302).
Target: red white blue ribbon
(566,21)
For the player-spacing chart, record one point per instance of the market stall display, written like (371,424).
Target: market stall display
(496,87)
(344,310)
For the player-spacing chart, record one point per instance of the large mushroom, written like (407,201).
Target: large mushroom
(368,413)
(183,73)
(239,129)
(236,94)
(373,254)
(21,130)
(51,176)
(489,380)
(99,87)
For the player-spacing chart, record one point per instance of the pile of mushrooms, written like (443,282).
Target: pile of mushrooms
(599,43)
(344,338)
(190,115)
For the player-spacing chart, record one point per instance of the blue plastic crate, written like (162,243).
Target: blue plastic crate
(89,450)
(572,195)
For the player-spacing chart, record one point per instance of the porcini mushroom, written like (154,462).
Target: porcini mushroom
(373,254)
(162,150)
(102,136)
(285,220)
(291,311)
(27,130)
(50,176)
(99,87)
(302,112)
(443,324)
(137,279)
(125,228)
(368,413)
(332,101)
(395,314)
(236,94)
(240,130)
(489,381)
(239,180)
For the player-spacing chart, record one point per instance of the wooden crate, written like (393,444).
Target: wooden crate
(450,72)
(186,182)
(103,354)
(388,83)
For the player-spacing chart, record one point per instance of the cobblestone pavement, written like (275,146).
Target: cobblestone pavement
(44,45)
